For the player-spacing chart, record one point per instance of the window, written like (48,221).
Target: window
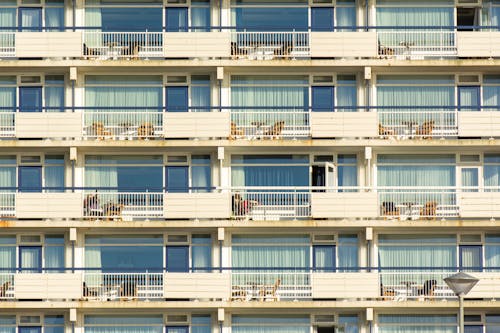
(187,15)
(47,15)
(185,173)
(31,249)
(184,94)
(124,173)
(124,253)
(196,255)
(445,323)
(492,172)
(270,323)
(123,323)
(35,173)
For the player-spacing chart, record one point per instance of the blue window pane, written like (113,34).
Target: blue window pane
(322,99)
(322,19)
(30,329)
(30,19)
(177,179)
(272,19)
(30,258)
(324,257)
(177,329)
(30,99)
(139,179)
(124,258)
(177,19)
(177,99)
(177,258)
(30,178)
(131,19)
(473,329)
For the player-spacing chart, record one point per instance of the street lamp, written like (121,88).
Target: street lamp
(461,283)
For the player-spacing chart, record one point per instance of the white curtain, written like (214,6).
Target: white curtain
(491,97)
(202,257)
(101,176)
(7,257)
(490,15)
(93,18)
(54,99)
(54,258)
(417,256)
(54,18)
(346,17)
(275,99)
(30,258)
(417,324)
(8,18)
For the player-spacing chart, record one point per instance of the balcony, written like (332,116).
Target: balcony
(417,43)
(253,123)
(245,285)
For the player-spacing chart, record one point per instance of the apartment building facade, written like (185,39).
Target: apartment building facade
(239,166)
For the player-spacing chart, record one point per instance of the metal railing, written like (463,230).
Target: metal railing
(405,202)
(6,286)
(7,44)
(274,123)
(270,285)
(415,122)
(270,45)
(118,205)
(405,43)
(121,286)
(139,124)
(122,45)
(7,204)
(271,203)
(402,286)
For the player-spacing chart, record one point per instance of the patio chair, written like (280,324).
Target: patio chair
(113,211)
(389,210)
(429,210)
(238,293)
(275,131)
(90,53)
(89,292)
(145,131)
(100,131)
(235,132)
(425,130)
(91,206)
(236,52)
(387,293)
(385,132)
(428,288)
(269,293)
(4,289)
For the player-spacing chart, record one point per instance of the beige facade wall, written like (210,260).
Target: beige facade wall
(478,44)
(343,124)
(197,44)
(197,285)
(48,286)
(345,285)
(479,124)
(49,205)
(340,205)
(48,125)
(196,124)
(48,44)
(343,44)
(197,205)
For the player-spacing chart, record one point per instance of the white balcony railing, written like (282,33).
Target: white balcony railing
(122,124)
(271,286)
(408,124)
(271,204)
(7,204)
(6,285)
(417,44)
(119,286)
(119,205)
(7,123)
(122,45)
(7,44)
(269,124)
(403,286)
(270,45)
(418,202)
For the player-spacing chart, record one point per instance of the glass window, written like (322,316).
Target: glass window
(322,19)
(124,323)
(201,173)
(324,258)
(124,253)
(322,98)
(30,178)
(178,258)
(270,323)
(177,99)
(268,18)
(177,179)
(177,19)
(30,99)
